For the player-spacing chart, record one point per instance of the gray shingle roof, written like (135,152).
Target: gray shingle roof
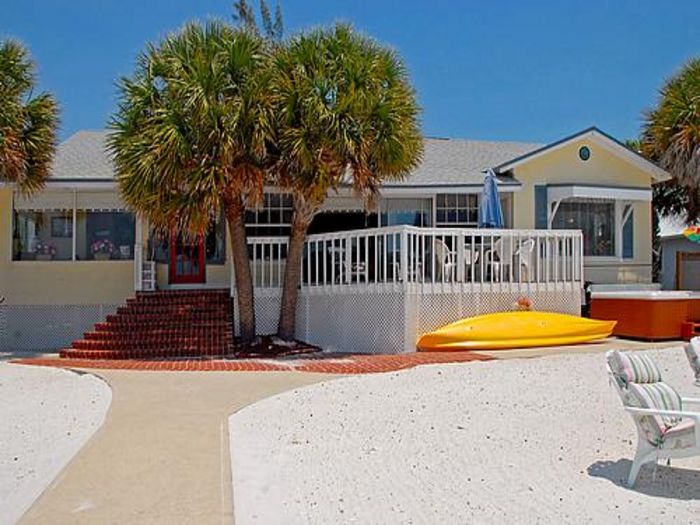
(83,157)
(459,162)
(446,162)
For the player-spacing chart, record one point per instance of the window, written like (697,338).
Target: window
(596,219)
(65,226)
(104,236)
(214,243)
(457,209)
(411,212)
(42,235)
(272,217)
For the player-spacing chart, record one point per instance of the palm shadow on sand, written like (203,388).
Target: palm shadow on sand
(663,482)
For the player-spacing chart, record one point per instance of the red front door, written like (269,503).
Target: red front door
(186,260)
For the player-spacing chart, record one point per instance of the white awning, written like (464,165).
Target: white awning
(45,201)
(573,191)
(100,201)
(65,200)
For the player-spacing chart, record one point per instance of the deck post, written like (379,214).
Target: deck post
(404,255)
(460,257)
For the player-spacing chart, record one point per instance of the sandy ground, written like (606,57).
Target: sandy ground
(162,455)
(522,440)
(46,416)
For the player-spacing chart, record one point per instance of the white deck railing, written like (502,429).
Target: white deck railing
(400,255)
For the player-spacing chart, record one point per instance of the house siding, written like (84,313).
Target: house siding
(603,168)
(58,282)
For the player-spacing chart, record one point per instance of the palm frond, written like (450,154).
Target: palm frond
(192,126)
(27,124)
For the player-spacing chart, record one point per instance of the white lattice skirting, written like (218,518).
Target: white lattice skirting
(374,320)
(390,320)
(47,327)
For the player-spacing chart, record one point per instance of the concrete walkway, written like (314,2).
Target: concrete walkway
(162,455)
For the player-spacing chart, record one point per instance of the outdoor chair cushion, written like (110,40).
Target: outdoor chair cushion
(655,395)
(692,351)
(640,383)
(633,368)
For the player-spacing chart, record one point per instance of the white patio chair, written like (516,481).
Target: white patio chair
(665,428)
(471,258)
(525,259)
(445,261)
(499,258)
(692,351)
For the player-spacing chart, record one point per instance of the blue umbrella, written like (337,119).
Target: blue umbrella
(490,212)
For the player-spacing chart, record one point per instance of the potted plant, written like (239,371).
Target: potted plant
(523,304)
(102,249)
(44,251)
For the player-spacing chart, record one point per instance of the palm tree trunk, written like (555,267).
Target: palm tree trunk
(286,328)
(235,212)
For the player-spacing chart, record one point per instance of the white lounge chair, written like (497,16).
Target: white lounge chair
(692,352)
(665,428)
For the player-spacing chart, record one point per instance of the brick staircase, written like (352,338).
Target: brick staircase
(162,324)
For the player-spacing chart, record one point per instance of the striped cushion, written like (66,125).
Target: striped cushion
(633,368)
(655,395)
(692,351)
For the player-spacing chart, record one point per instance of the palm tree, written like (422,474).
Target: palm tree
(671,136)
(190,137)
(345,111)
(28,123)
(273,25)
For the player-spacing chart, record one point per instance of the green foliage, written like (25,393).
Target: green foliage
(28,123)
(671,137)
(345,112)
(190,135)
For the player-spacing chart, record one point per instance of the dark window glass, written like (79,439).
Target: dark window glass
(105,236)
(595,219)
(42,236)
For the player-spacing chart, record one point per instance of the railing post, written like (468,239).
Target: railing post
(138,267)
(232,284)
(404,255)
(461,264)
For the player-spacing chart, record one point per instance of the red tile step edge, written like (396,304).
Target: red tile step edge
(328,364)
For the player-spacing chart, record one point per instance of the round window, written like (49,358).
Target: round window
(584,153)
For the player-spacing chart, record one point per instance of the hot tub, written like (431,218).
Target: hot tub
(650,315)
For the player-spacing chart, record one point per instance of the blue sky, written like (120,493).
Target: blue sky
(498,70)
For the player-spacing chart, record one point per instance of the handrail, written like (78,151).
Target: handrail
(403,255)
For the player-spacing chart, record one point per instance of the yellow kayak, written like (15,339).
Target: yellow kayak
(514,330)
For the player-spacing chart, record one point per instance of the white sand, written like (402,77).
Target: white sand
(519,441)
(46,416)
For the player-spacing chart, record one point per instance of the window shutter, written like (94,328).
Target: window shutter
(541,222)
(628,238)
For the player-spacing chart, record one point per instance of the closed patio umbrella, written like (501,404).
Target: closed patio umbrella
(490,212)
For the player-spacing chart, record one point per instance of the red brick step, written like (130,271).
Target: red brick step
(162,324)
